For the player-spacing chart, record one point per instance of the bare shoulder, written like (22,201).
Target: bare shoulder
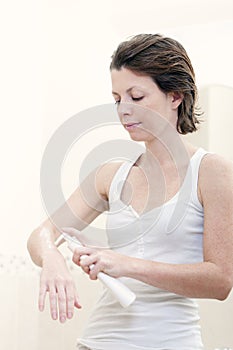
(104,176)
(215,177)
(213,165)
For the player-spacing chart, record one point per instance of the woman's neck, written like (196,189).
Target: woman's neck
(169,157)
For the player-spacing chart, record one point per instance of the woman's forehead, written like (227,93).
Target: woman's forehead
(127,80)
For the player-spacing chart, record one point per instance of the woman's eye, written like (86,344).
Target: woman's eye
(117,102)
(137,98)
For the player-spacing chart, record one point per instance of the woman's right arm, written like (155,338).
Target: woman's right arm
(83,206)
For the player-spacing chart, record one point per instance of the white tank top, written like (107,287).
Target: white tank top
(172,233)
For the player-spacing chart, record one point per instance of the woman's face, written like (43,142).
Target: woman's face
(142,107)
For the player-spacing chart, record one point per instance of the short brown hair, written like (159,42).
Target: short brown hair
(167,63)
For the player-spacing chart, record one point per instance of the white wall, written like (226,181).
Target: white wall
(54,63)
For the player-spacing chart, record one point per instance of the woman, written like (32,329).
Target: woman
(180,254)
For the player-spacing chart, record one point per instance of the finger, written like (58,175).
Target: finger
(88,260)
(42,295)
(90,265)
(78,252)
(76,301)
(70,299)
(83,263)
(61,295)
(76,258)
(84,267)
(53,301)
(93,273)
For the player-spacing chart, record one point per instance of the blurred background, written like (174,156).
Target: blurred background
(55,59)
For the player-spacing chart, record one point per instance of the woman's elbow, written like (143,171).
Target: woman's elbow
(32,246)
(224,289)
(29,244)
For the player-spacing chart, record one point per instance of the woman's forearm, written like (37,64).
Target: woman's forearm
(195,280)
(199,280)
(41,243)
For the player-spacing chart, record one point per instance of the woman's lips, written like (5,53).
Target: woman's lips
(130,126)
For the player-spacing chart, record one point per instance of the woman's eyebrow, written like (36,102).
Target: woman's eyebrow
(128,90)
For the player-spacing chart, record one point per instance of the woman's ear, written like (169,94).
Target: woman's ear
(176,99)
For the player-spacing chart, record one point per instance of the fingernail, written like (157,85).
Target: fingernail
(70,315)
(62,319)
(54,316)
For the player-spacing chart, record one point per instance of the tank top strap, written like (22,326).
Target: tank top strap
(121,174)
(195,166)
(119,178)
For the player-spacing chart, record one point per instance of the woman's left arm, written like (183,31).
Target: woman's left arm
(212,278)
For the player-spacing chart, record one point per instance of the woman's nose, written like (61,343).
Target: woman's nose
(125,108)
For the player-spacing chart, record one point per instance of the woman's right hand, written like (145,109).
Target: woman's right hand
(56,280)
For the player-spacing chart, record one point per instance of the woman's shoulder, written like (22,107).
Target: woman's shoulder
(105,174)
(215,175)
(215,164)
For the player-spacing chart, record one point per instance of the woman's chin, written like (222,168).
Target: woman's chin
(136,137)
(140,136)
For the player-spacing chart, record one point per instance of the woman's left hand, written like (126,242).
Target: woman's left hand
(100,260)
